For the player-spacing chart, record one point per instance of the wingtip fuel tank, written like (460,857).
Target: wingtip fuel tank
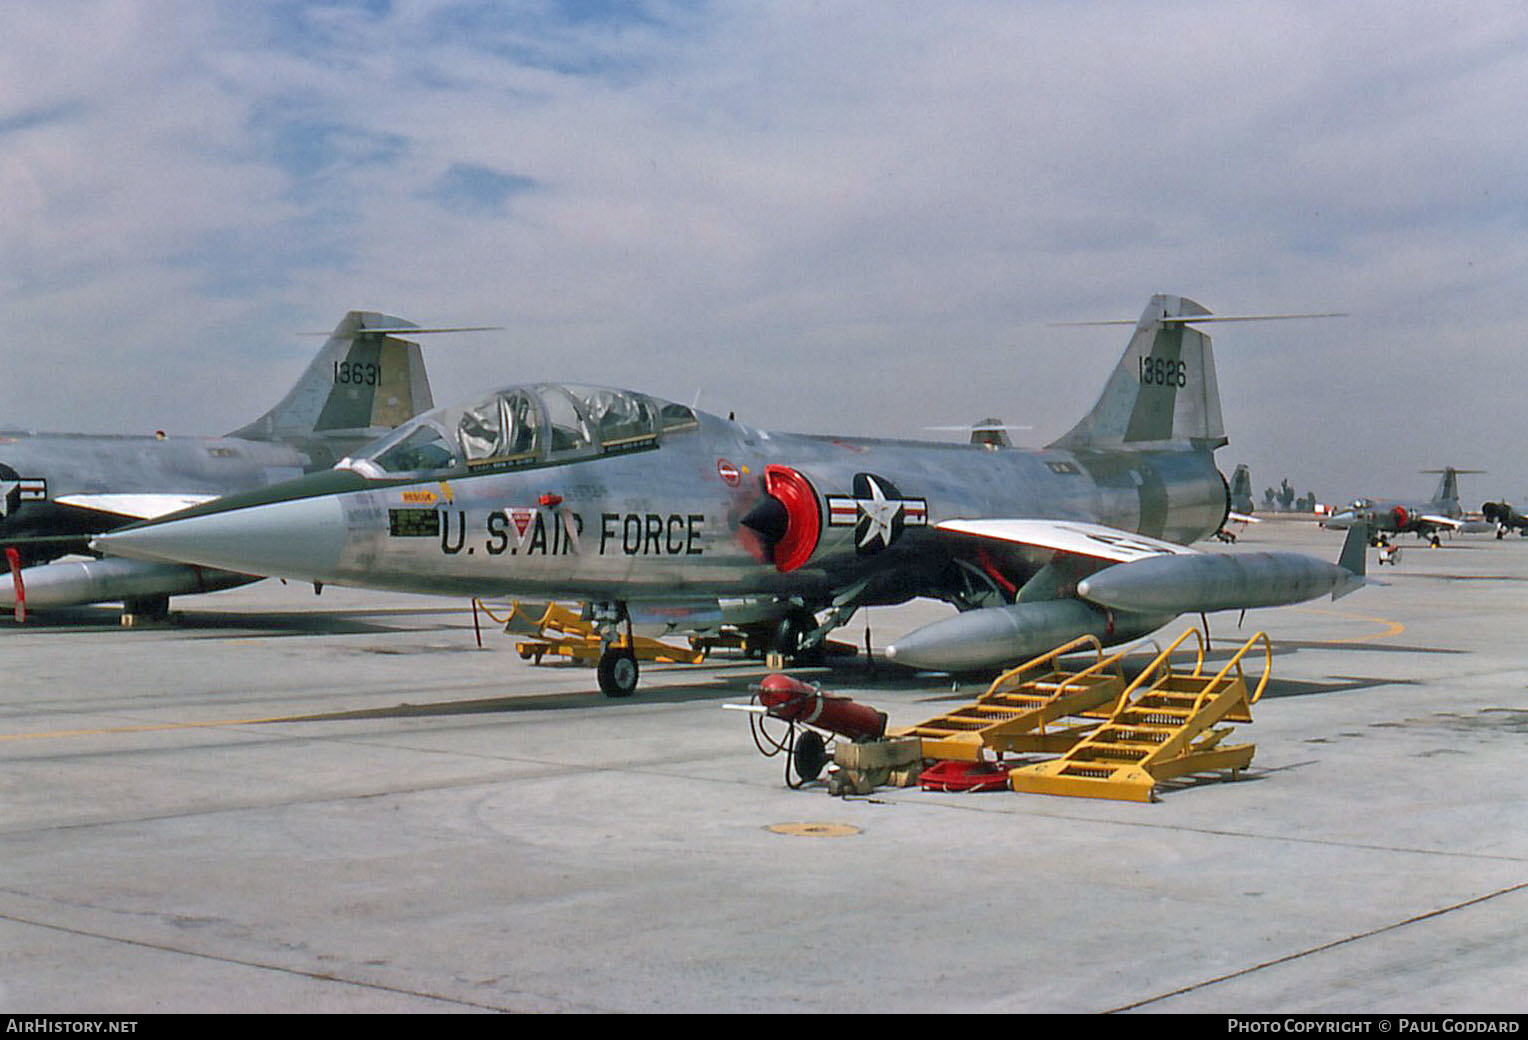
(65,583)
(1128,600)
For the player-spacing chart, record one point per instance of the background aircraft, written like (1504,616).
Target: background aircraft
(1241,504)
(57,490)
(1505,517)
(1424,519)
(650,511)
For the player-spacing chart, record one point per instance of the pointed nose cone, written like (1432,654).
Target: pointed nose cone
(300,538)
(1344,519)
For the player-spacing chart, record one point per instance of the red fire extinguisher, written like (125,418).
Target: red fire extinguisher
(796,701)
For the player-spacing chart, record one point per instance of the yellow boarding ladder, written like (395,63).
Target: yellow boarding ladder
(1161,729)
(1014,713)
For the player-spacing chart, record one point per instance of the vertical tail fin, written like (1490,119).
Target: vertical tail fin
(1353,559)
(1448,485)
(1163,391)
(362,384)
(1241,489)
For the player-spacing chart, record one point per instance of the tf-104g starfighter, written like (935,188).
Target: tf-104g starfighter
(662,517)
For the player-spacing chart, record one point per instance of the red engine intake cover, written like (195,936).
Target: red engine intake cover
(804,516)
(1399,512)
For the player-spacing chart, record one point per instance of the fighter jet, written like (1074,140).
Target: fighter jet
(1241,504)
(662,517)
(1241,491)
(1505,517)
(1384,518)
(57,490)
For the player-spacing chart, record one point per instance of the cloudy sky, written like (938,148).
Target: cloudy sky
(847,217)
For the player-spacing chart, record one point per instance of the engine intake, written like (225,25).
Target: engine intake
(788,520)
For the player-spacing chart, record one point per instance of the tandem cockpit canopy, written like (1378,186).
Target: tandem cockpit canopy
(520,426)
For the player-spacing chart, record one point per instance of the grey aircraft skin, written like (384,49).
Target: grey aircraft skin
(57,490)
(663,518)
(1386,517)
(1241,503)
(1241,490)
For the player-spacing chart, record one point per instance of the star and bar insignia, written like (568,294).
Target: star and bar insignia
(877,511)
(15,490)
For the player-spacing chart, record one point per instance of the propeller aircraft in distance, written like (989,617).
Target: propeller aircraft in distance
(666,518)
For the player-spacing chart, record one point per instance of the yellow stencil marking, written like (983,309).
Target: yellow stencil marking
(146,728)
(1392,628)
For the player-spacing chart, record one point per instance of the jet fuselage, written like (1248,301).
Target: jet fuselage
(671,521)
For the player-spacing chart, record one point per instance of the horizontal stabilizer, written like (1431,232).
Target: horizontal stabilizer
(405,329)
(1183,319)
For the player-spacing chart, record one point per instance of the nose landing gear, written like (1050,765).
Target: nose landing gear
(618,671)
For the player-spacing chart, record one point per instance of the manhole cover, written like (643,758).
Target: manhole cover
(815,830)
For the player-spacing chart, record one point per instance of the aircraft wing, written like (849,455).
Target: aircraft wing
(1242,518)
(1070,536)
(1441,521)
(142,506)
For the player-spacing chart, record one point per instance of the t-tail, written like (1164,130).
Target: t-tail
(1447,495)
(1163,393)
(364,382)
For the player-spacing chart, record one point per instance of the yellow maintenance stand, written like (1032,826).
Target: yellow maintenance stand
(1165,725)
(560,632)
(1115,739)
(1018,709)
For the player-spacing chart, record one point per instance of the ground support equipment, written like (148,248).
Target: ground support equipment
(1166,725)
(557,631)
(1018,713)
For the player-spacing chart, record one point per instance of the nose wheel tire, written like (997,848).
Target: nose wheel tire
(618,672)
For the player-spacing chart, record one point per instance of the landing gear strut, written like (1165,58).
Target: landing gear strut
(145,608)
(618,662)
(791,638)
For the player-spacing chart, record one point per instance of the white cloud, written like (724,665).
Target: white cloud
(855,214)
